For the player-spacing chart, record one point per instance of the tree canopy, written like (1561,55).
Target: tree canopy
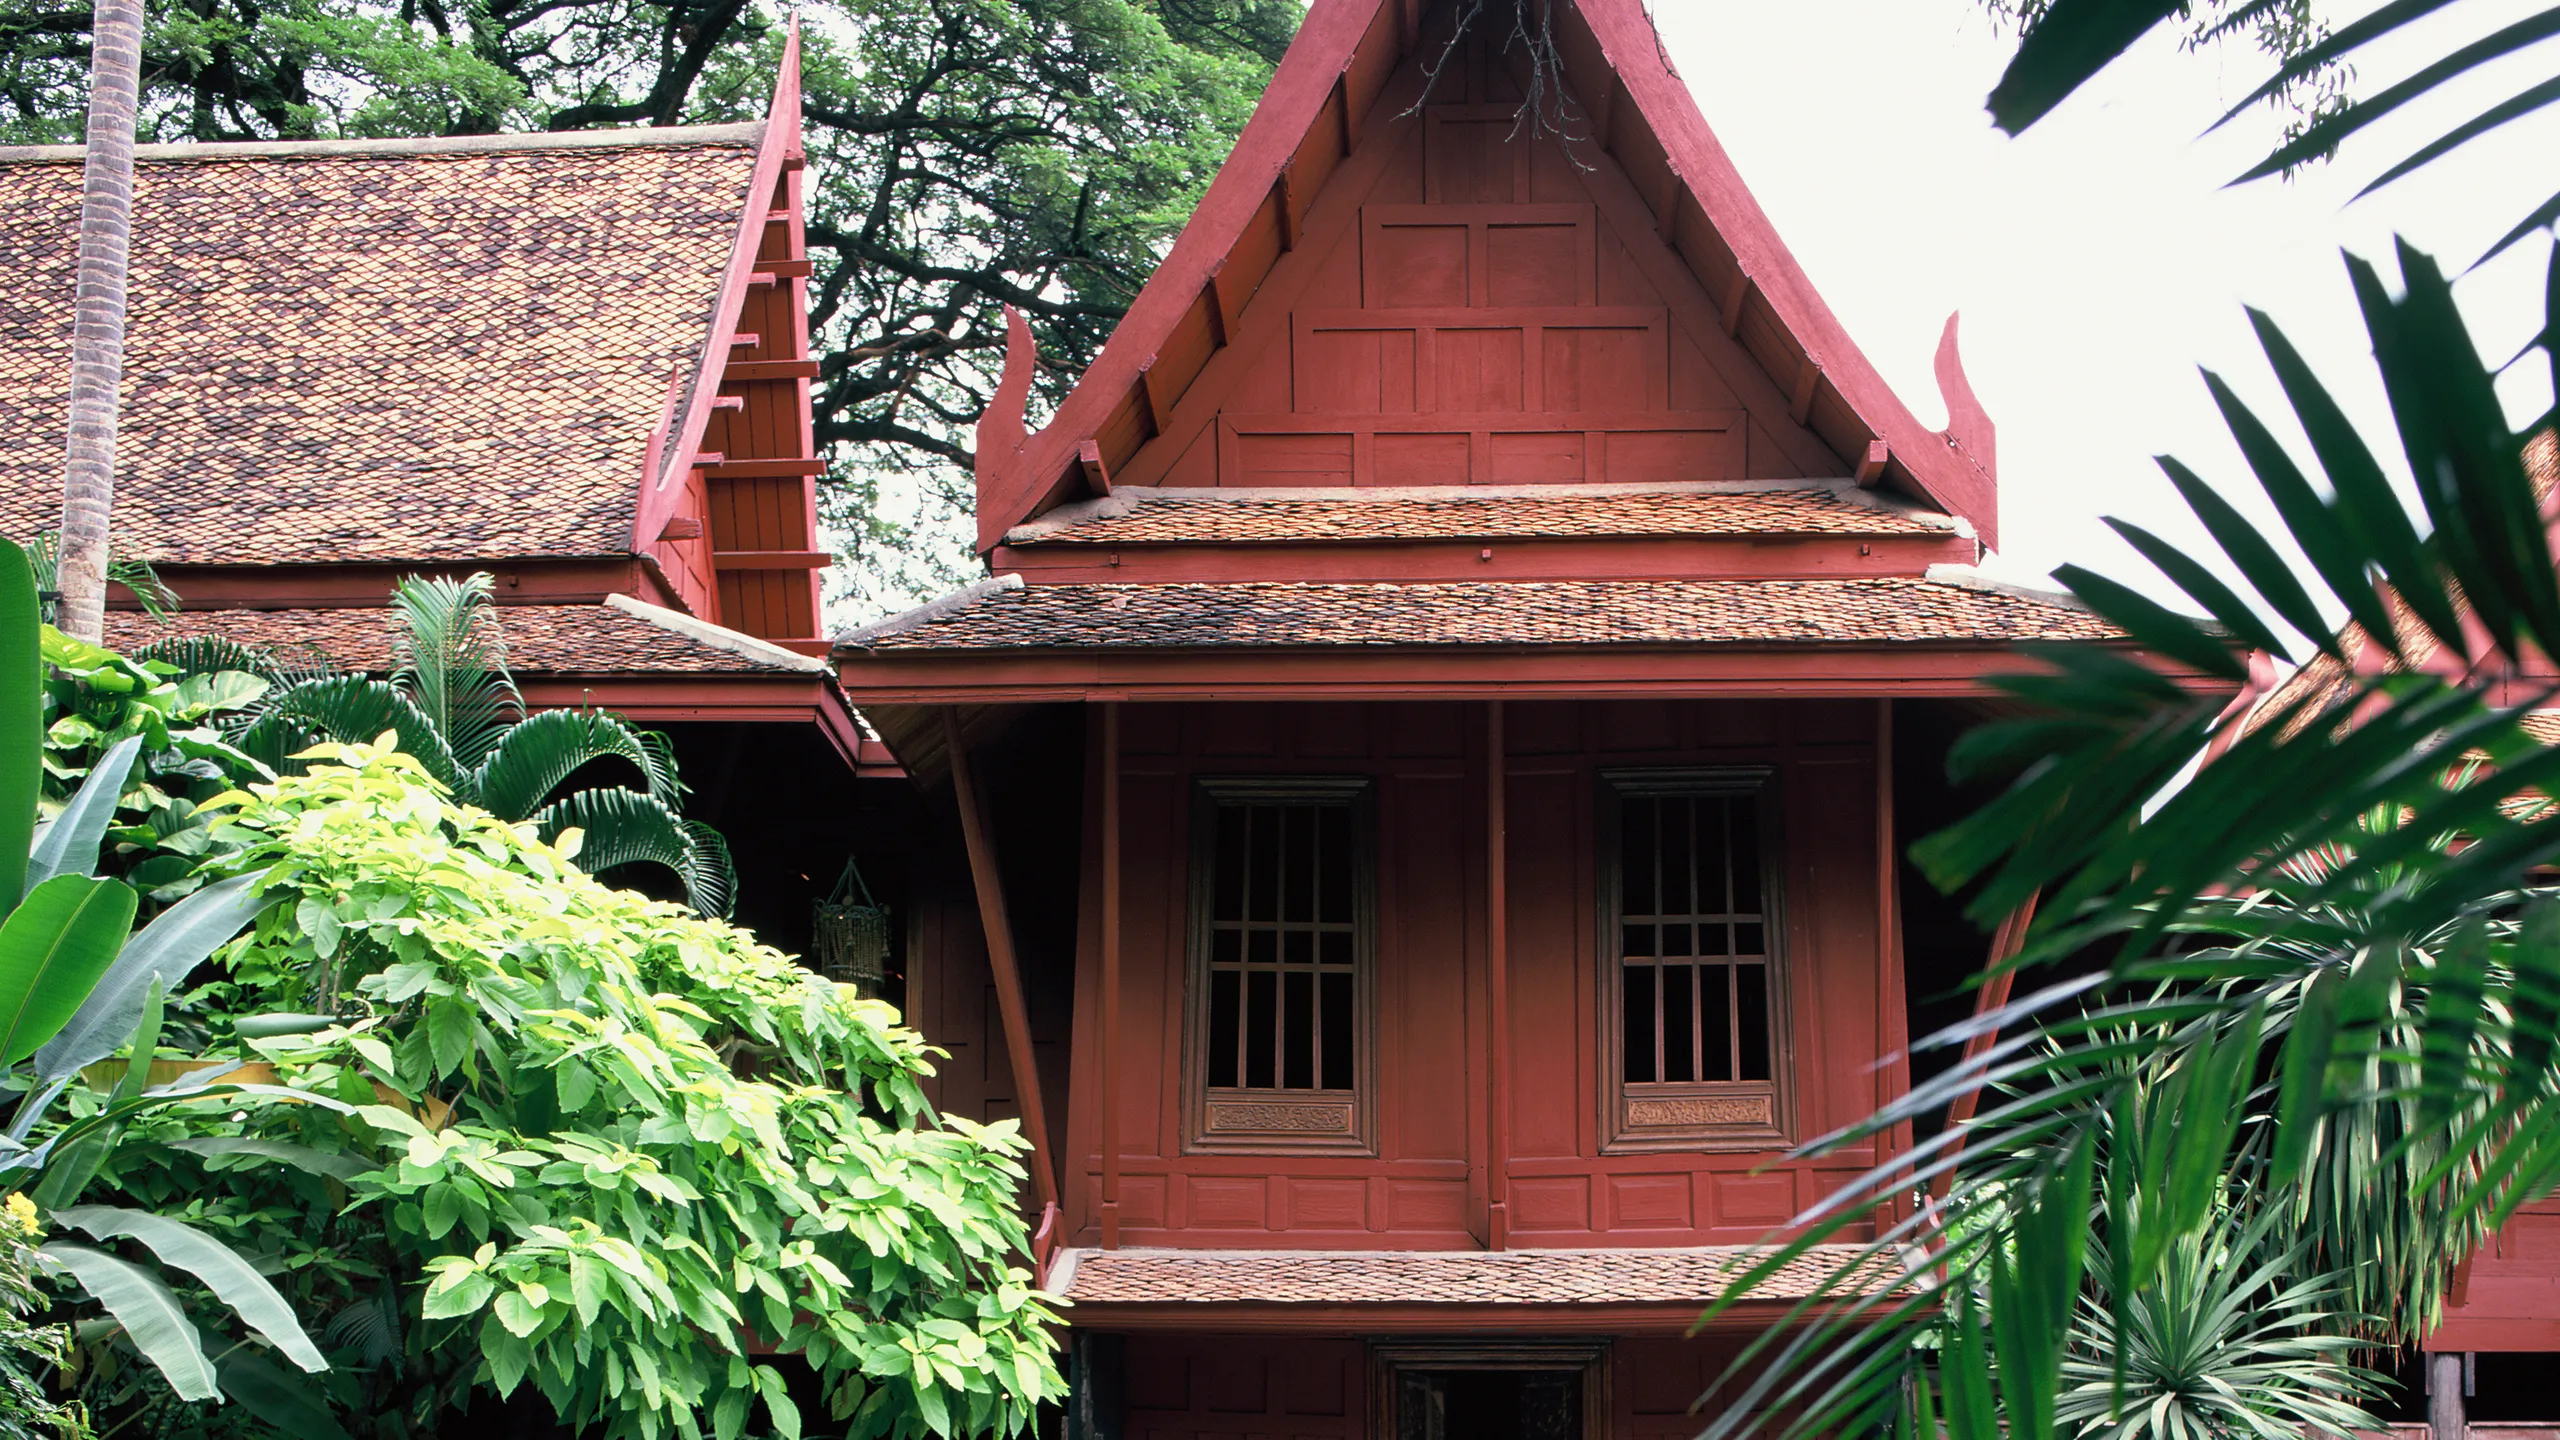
(964,154)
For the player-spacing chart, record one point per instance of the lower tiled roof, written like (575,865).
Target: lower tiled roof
(1006,615)
(541,639)
(1693,1276)
(1230,517)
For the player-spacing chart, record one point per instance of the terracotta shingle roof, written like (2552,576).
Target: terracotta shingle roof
(1005,615)
(1437,1277)
(1141,517)
(403,351)
(541,639)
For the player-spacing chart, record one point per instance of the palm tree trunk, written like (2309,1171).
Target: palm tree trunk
(97,327)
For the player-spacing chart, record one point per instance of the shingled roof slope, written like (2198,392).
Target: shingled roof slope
(1248,517)
(359,351)
(1005,615)
(1436,1277)
(619,637)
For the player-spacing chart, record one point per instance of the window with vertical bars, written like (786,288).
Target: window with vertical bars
(1283,939)
(1693,938)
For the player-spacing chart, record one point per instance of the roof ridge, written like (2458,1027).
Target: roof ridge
(747,133)
(719,637)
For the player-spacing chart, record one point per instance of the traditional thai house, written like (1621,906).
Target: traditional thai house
(1457,675)
(579,362)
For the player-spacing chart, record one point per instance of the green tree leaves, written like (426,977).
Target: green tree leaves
(600,1204)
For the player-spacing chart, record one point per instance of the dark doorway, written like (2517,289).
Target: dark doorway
(1490,1391)
(1489,1405)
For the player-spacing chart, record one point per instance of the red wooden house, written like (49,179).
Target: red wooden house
(1457,673)
(579,362)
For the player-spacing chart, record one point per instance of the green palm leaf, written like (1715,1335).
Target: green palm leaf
(625,827)
(453,663)
(540,754)
(352,710)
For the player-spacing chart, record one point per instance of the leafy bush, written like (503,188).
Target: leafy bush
(29,1353)
(621,1139)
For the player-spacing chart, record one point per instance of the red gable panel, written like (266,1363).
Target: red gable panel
(1393,282)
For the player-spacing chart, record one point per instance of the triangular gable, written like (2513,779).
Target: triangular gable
(1681,302)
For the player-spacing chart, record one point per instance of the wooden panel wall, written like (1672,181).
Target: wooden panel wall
(1180,1387)
(1426,1185)
(1407,318)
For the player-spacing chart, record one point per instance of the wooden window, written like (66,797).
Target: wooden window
(1280,964)
(1692,963)
(1490,1391)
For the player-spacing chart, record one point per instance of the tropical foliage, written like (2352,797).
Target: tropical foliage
(32,1356)
(619,1141)
(180,718)
(2367,1044)
(76,981)
(453,704)
(964,155)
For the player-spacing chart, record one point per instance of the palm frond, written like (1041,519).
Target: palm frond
(536,757)
(453,662)
(351,709)
(2075,39)
(626,827)
(2324,976)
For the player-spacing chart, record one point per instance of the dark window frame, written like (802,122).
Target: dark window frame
(1388,1363)
(1693,1114)
(1226,1119)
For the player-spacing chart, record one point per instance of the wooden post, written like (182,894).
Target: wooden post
(1111,975)
(1993,993)
(1000,959)
(1497,984)
(1893,1020)
(2445,1420)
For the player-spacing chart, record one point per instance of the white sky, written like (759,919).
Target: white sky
(2099,260)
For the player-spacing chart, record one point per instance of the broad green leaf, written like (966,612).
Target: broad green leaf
(53,950)
(176,941)
(68,843)
(230,1278)
(150,1315)
(336,1165)
(277,1397)
(21,717)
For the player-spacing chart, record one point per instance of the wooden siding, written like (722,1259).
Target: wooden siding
(1426,1184)
(1404,312)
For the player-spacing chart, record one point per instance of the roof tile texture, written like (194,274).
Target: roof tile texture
(1432,1277)
(374,357)
(1162,517)
(1620,612)
(553,639)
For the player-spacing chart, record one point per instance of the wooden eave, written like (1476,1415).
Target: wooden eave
(1661,169)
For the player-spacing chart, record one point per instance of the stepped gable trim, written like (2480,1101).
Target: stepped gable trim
(677,442)
(1333,73)
(1894,515)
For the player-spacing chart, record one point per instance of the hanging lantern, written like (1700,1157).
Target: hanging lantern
(850,933)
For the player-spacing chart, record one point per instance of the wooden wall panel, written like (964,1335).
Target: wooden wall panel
(1425,1184)
(1451,209)
(1182,1386)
